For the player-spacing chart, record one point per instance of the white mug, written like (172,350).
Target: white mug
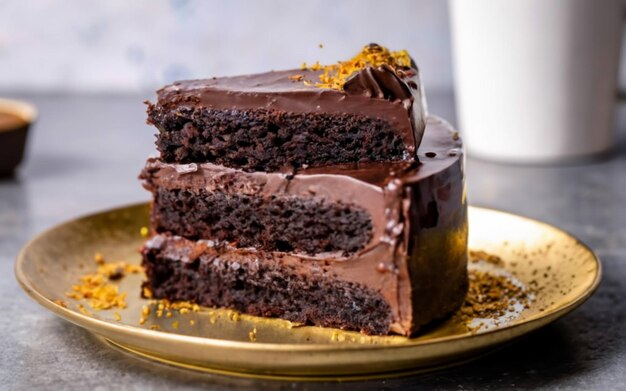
(536,80)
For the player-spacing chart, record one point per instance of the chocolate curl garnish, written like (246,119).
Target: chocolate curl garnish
(381,82)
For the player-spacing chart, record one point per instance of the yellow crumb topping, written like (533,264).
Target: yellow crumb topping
(83,310)
(165,307)
(296,77)
(147,293)
(97,288)
(335,76)
(252,335)
(61,303)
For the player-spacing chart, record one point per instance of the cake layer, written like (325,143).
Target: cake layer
(274,223)
(260,284)
(416,256)
(270,140)
(275,121)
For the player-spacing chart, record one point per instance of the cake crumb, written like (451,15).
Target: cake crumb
(191,322)
(154,327)
(97,288)
(99,258)
(235,316)
(491,296)
(147,293)
(61,303)
(296,77)
(117,316)
(84,310)
(252,335)
(175,325)
(144,232)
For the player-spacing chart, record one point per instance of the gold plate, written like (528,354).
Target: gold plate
(561,271)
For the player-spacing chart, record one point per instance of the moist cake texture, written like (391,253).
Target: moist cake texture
(287,224)
(253,283)
(271,140)
(323,199)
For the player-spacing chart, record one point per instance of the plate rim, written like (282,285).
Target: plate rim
(96,325)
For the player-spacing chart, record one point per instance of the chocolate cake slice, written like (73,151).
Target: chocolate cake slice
(322,195)
(314,116)
(391,256)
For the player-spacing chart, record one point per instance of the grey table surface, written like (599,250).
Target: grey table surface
(84,155)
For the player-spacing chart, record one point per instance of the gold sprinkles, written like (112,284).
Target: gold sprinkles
(97,288)
(335,76)
(252,335)
(296,77)
(61,303)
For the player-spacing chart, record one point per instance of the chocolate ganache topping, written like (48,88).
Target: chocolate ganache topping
(376,83)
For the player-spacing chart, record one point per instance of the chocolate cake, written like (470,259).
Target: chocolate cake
(283,120)
(323,196)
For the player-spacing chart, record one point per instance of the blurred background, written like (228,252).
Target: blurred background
(131,46)
(135,46)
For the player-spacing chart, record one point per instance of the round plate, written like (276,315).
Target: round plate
(561,271)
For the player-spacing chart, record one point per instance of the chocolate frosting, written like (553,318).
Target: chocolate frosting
(383,92)
(407,203)
(385,82)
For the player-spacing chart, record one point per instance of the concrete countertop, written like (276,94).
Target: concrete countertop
(84,155)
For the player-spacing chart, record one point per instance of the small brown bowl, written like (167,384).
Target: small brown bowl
(15,119)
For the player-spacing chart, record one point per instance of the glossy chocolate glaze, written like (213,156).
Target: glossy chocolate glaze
(417,256)
(395,96)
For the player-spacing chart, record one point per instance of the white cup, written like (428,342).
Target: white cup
(536,80)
